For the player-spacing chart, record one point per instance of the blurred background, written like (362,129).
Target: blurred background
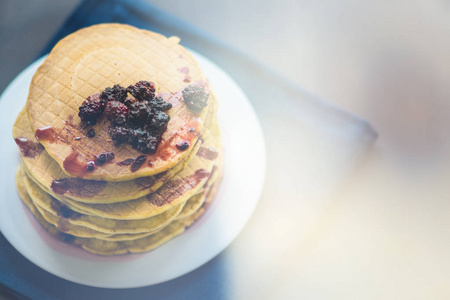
(388,235)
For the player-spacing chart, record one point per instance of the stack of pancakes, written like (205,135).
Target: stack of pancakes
(136,201)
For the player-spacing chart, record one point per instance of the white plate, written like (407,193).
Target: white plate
(236,199)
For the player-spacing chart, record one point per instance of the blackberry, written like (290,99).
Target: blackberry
(160,104)
(183,145)
(116,112)
(116,93)
(148,145)
(138,163)
(104,158)
(195,98)
(119,134)
(138,136)
(141,140)
(129,101)
(90,166)
(126,162)
(139,120)
(139,113)
(91,133)
(91,109)
(158,122)
(142,90)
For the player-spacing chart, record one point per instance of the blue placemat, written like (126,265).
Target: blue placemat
(263,87)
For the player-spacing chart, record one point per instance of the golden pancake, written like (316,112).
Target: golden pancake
(46,171)
(92,59)
(105,247)
(55,212)
(42,167)
(150,242)
(120,143)
(177,190)
(27,200)
(195,202)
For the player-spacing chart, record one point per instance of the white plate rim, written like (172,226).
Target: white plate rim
(244,174)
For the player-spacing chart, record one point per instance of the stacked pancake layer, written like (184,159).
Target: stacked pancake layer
(115,208)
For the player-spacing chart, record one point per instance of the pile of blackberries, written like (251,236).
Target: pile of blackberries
(139,120)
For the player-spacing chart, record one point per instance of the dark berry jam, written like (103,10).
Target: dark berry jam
(59,186)
(138,163)
(103,158)
(77,187)
(46,133)
(29,148)
(208,153)
(74,165)
(201,173)
(126,162)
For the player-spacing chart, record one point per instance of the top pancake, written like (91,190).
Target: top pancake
(94,58)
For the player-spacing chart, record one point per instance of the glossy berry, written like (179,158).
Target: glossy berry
(158,122)
(142,90)
(103,158)
(183,145)
(129,101)
(138,163)
(139,120)
(91,109)
(116,93)
(195,98)
(141,140)
(90,166)
(91,133)
(116,112)
(119,134)
(139,113)
(160,104)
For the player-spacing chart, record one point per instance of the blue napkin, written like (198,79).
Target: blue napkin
(282,108)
